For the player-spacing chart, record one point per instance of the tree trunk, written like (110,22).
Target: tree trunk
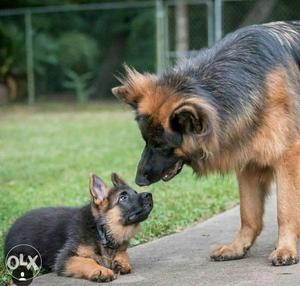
(4,94)
(113,58)
(259,13)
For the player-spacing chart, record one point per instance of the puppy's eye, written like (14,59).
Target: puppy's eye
(123,197)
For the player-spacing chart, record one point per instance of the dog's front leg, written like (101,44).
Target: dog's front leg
(288,208)
(122,262)
(87,268)
(254,183)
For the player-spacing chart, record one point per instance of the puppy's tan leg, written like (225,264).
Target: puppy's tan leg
(87,268)
(254,184)
(122,262)
(288,207)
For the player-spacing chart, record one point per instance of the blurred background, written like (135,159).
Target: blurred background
(69,50)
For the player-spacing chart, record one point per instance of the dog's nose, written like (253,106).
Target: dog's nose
(146,196)
(147,199)
(142,181)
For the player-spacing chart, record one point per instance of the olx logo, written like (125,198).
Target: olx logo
(23,262)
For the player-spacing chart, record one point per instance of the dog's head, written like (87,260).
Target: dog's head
(177,125)
(121,207)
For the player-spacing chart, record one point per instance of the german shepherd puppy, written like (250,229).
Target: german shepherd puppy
(88,242)
(236,106)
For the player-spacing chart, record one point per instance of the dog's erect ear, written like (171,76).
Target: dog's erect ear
(191,118)
(125,92)
(98,189)
(117,181)
(199,118)
(121,92)
(134,86)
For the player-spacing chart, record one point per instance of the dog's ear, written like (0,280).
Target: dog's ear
(122,93)
(193,118)
(98,190)
(125,92)
(134,86)
(117,181)
(199,118)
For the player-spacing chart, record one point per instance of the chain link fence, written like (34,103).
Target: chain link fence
(77,49)
(234,14)
(75,54)
(196,30)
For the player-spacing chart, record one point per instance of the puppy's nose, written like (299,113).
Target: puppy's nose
(146,196)
(147,199)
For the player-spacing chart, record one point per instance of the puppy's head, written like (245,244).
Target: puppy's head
(121,207)
(177,125)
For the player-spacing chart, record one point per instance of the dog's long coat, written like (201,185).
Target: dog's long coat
(235,106)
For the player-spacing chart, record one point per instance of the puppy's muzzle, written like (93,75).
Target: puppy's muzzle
(142,213)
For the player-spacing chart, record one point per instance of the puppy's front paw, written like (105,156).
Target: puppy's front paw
(283,256)
(228,252)
(103,275)
(122,267)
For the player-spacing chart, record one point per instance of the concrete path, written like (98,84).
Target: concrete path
(183,258)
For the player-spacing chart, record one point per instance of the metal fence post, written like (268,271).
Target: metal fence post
(166,36)
(29,58)
(218,19)
(161,40)
(210,23)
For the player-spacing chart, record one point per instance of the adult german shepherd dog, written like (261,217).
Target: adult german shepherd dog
(236,106)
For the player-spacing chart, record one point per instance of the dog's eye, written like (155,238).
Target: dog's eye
(123,197)
(158,145)
(165,150)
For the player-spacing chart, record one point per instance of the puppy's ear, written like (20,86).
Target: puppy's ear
(98,190)
(117,181)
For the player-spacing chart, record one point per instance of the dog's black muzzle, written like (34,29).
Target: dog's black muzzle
(142,213)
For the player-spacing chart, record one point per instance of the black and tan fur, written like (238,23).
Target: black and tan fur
(68,239)
(235,106)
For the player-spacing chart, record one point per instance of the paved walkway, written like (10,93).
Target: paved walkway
(183,259)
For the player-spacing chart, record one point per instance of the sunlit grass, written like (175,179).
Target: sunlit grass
(46,158)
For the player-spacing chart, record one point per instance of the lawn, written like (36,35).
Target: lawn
(46,156)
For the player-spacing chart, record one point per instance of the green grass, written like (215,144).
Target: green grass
(46,157)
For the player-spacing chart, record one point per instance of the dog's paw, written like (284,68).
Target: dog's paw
(283,256)
(103,275)
(122,267)
(227,252)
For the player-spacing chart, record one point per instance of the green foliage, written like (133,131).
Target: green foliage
(85,41)
(80,84)
(141,41)
(77,51)
(49,155)
(12,50)
(44,52)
